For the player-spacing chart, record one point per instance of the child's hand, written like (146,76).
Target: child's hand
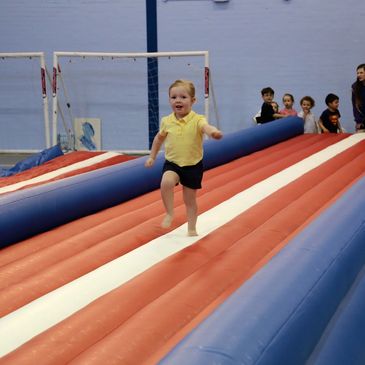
(217,134)
(150,161)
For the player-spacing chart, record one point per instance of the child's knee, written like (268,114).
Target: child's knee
(169,179)
(168,183)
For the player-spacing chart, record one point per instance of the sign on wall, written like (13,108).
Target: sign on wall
(87,134)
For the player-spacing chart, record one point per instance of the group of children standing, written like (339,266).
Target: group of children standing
(329,121)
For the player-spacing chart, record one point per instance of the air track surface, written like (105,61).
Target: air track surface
(276,275)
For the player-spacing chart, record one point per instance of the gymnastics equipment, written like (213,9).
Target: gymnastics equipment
(297,308)
(130,87)
(23,74)
(47,206)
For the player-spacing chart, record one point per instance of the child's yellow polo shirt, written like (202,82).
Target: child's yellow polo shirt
(184,140)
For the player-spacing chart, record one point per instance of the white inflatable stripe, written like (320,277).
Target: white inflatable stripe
(62,170)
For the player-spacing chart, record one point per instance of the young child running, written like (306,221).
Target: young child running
(182,132)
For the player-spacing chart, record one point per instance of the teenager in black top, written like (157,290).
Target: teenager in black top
(358,97)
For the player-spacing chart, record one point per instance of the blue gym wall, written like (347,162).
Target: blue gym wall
(303,47)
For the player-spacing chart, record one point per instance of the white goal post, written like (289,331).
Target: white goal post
(43,73)
(58,76)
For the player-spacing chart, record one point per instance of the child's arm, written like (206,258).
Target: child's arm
(322,127)
(339,127)
(212,131)
(278,115)
(156,145)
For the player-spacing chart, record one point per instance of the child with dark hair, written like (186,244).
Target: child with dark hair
(327,123)
(358,97)
(267,113)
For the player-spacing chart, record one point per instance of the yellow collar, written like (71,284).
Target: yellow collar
(186,119)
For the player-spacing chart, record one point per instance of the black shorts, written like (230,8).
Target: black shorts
(190,176)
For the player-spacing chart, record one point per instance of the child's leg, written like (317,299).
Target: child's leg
(191,209)
(168,182)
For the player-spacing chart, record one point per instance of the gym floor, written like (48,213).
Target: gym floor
(8,160)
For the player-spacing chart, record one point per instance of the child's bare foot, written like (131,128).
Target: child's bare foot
(166,222)
(192,233)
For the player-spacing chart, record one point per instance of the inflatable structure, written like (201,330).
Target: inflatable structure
(276,275)
(41,208)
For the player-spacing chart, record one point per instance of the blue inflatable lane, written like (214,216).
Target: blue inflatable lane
(279,316)
(343,341)
(35,210)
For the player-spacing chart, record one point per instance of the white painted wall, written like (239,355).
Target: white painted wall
(305,47)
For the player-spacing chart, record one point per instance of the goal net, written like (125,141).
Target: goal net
(119,98)
(24,118)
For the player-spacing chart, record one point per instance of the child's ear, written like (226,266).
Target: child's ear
(193,100)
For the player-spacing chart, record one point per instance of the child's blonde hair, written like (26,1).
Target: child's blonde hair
(188,85)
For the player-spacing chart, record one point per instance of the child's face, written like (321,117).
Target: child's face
(181,102)
(306,106)
(268,97)
(287,101)
(334,105)
(361,74)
